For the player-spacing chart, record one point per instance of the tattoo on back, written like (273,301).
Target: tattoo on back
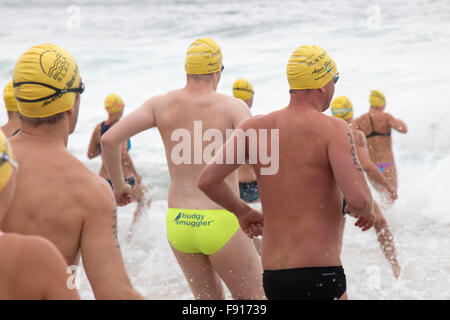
(353,152)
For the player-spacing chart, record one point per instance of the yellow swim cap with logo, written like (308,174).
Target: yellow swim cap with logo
(377,99)
(203,57)
(242,89)
(342,107)
(310,67)
(113,103)
(45,80)
(8,97)
(7,163)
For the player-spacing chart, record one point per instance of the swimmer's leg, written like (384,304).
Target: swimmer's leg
(391,174)
(257,243)
(205,284)
(386,201)
(386,239)
(238,264)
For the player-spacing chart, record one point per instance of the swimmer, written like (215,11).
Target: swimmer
(248,185)
(341,107)
(205,239)
(377,126)
(31,268)
(114,105)
(57,197)
(13,125)
(302,201)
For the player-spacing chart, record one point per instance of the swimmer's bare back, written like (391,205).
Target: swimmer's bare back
(182,118)
(60,199)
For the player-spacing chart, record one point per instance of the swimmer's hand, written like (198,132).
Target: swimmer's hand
(252,223)
(364,222)
(393,193)
(123,195)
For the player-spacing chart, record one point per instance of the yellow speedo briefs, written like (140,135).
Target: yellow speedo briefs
(200,231)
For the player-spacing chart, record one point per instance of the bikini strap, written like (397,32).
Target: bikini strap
(371,123)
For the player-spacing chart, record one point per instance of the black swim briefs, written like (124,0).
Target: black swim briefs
(315,283)
(129,180)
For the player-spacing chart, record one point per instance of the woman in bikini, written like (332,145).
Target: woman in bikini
(114,106)
(377,126)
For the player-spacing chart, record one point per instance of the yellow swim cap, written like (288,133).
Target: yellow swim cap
(242,89)
(203,57)
(42,76)
(113,103)
(377,99)
(310,67)
(8,96)
(7,163)
(341,107)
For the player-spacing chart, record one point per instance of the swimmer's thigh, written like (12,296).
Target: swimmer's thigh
(200,275)
(391,174)
(238,264)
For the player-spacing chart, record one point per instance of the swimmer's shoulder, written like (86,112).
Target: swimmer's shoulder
(28,253)
(261,121)
(333,127)
(36,264)
(387,117)
(90,189)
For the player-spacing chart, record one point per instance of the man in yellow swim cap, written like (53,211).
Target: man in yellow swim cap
(248,185)
(31,268)
(13,125)
(377,126)
(341,107)
(302,201)
(205,239)
(114,106)
(57,196)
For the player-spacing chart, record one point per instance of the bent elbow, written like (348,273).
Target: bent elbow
(205,181)
(105,141)
(362,202)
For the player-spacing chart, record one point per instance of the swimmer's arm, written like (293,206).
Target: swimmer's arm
(94,150)
(127,163)
(212,182)
(47,271)
(347,168)
(100,249)
(137,121)
(212,178)
(397,124)
(355,124)
(367,164)
(240,113)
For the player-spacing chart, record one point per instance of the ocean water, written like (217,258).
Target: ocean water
(137,50)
